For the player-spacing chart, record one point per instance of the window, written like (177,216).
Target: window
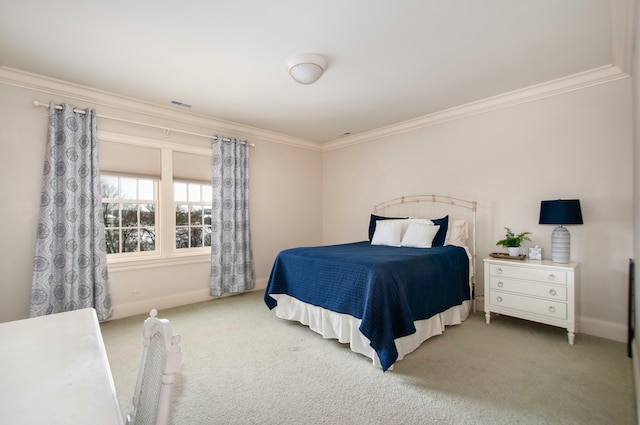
(146,224)
(193,214)
(129,207)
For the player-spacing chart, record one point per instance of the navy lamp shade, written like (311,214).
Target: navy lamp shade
(560,212)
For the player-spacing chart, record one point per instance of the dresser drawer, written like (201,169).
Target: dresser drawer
(529,273)
(556,310)
(542,290)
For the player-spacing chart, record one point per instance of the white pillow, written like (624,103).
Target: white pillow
(388,232)
(457,233)
(419,220)
(419,235)
(405,222)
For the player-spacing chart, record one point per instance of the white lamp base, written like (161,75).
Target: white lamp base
(560,245)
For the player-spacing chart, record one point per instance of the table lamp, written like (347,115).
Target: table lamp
(560,212)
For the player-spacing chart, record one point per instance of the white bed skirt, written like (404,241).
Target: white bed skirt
(346,328)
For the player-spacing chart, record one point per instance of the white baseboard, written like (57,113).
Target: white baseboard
(600,328)
(174,300)
(608,330)
(588,326)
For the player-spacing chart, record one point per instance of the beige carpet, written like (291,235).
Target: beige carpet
(242,365)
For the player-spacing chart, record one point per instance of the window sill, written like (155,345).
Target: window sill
(124,264)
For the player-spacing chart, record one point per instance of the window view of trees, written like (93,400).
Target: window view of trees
(193,215)
(130,205)
(129,211)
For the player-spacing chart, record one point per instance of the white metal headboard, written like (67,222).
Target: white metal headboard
(411,206)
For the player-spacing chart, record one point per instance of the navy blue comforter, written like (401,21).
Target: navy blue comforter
(388,288)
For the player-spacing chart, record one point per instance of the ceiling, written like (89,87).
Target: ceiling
(389,60)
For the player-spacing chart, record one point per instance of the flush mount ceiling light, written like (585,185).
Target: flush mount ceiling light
(306,68)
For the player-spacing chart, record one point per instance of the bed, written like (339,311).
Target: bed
(386,295)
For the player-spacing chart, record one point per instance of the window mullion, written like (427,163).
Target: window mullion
(167,216)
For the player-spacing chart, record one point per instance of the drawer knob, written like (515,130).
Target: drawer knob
(552,276)
(500,284)
(552,309)
(552,292)
(499,299)
(499,271)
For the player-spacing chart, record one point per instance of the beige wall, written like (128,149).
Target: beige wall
(574,145)
(577,144)
(285,196)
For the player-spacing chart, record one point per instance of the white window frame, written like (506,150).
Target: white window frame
(133,255)
(189,203)
(166,252)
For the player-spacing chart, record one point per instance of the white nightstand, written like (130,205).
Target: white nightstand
(541,291)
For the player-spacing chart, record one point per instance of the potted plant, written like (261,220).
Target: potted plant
(512,241)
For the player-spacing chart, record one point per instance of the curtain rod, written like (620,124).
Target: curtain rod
(167,130)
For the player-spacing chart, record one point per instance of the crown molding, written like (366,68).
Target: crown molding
(622,44)
(578,81)
(96,98)
(622,36)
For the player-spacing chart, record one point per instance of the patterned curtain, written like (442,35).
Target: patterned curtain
(232,268)
(70,266)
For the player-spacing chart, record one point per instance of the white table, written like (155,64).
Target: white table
(54,370)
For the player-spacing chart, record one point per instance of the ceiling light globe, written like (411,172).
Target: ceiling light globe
(306,68)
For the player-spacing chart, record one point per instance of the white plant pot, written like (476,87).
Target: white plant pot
(514,251)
